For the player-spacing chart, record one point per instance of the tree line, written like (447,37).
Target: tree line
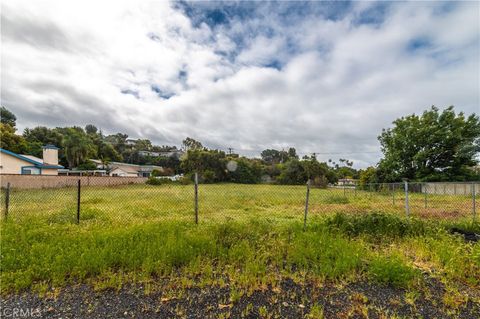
(434,146)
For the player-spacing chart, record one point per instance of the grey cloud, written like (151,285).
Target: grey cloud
(42,34)
(340,82)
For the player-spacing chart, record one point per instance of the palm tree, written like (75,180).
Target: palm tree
(78,147)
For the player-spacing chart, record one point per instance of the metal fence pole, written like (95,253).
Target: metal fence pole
(393,194)
(196,198)
(425,191)
(407,208)
(7,200)
(306,206)
(78,200)
(473,201)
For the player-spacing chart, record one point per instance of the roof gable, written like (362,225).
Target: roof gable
(29,159)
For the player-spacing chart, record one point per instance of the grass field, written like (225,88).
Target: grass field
(220,202)
(249,237)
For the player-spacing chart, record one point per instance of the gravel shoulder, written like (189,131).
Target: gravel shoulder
(287,300)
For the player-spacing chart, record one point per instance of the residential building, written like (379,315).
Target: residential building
(347,182)
(173,153)
(127,170)
(13,163)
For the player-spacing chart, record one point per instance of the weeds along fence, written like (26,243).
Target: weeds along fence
(75,202)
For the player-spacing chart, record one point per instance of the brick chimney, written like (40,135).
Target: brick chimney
(50,154)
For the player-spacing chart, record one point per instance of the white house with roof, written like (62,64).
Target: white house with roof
(13,163)
(126,169)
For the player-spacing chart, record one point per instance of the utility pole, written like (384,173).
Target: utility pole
(230,150)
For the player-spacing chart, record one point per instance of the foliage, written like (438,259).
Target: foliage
(87,166)
(7,117)
(11,141)
(435,146)
(152,180)
(191,144)
(244,171)
(272,156)
(78,147)
(336,199)
(209,164)
(368,176)
(377,225)
(392,270)
(293,172)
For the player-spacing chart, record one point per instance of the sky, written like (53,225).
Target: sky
(323,77)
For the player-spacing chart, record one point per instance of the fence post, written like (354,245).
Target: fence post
(425,191)
(473,201)
(306,206)
(196,198)
(7,200)
(78,200)
(407,208)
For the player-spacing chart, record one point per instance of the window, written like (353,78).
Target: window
(30,171)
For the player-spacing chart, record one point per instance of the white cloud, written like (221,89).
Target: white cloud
(339,84)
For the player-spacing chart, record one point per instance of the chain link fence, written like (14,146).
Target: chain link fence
(73,202)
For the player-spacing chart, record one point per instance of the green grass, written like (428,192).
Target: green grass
(250,235)
(221,202)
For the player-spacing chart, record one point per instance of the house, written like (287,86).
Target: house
(76,172)
(173,153)
(127,170)
(13,163)
(347,182)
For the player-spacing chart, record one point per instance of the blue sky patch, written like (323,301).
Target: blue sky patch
(160,92)
(418,44)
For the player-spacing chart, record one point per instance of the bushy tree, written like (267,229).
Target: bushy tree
(11,141)
(209,164)
(368,176)
(293,172)
(272,156)
(7,117)
(434,146)
(191,144)
(78,146)
(246,171)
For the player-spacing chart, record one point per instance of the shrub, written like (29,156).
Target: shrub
(324,253)
(336,199)
(377,225)
(158,181)
(392,270)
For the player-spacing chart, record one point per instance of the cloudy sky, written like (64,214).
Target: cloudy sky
(323,77)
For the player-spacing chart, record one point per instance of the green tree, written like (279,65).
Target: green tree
(91,129)
(40,136)
(210,164)
(191,144)
(272,156)
(245,171)
(368,176)
(293,172)
(434,146)
(11,141)
(7,117)
(78,146)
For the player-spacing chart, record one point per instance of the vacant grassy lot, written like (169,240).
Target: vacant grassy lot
(220,202)
(249,244)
